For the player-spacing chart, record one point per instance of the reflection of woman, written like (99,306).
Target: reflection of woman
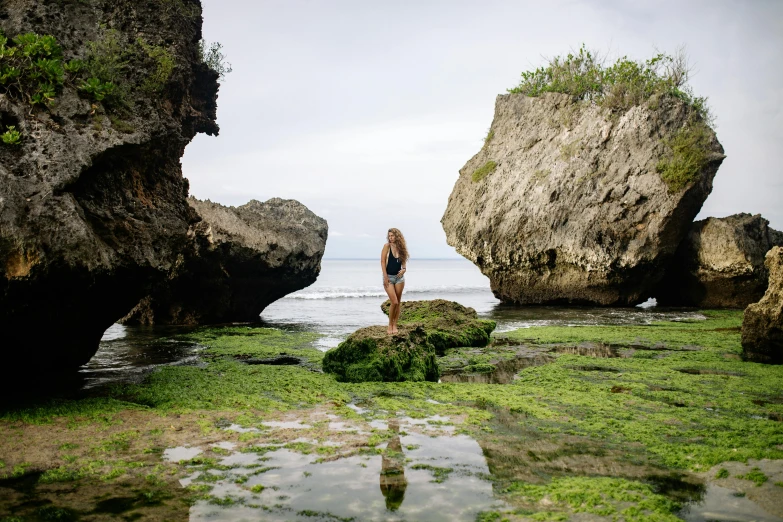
(394,257)
(393,481)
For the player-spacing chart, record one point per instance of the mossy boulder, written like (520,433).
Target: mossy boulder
(447,324)
(371,354)
(426,329)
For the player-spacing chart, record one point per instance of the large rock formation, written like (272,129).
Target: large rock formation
(720,263)
(241,260)
(762,327)
(93,206)
(565,202)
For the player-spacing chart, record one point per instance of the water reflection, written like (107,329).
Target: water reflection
(723,504)
(393,481)
(421,476)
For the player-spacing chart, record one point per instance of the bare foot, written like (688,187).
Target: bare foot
(389,330)
(394,330)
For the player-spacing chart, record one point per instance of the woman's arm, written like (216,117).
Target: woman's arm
(384,255)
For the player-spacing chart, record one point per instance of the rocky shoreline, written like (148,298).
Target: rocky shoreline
(609,411)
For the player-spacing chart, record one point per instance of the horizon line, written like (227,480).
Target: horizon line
(375,259)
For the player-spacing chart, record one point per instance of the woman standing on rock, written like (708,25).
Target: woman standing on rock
(394,257)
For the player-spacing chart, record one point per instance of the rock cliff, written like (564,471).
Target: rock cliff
(762,326)
(93,208)
(565,202)
(720,264)
(241,260)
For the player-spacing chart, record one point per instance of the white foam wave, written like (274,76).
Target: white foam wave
(341,293)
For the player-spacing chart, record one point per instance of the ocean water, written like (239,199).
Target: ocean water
(348,295)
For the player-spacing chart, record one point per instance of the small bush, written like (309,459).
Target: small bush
(489,136)
(164,66)
(722,473)
(484,171)
(689,154)
(31,68)
(215,60)
(104,70)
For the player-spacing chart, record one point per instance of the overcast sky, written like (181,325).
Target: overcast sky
(366,110)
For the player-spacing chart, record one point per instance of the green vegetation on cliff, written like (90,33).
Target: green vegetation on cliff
(31,68)
(689,154)
(626,84)
(619,87)
(484,170)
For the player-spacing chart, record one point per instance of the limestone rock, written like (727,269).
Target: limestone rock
(720,264)
(564,204)
(93,208)
(241,260)
(762,327)
(447,324)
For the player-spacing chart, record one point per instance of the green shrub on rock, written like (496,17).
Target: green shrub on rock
(31,68)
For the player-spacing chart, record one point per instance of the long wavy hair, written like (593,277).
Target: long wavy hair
(402,248)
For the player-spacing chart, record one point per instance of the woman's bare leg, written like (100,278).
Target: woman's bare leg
(395,304)
(398,293)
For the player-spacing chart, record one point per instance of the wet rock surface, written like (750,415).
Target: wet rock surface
(762,326)
(93,207)
(574,210)
(241,259)
(720,264)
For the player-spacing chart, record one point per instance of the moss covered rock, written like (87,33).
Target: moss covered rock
(370,354)
(447,324)
(427,329)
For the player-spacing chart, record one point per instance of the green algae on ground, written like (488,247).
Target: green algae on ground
(599,496)
(754,475)
(640,409)
(256,342)
(719,331)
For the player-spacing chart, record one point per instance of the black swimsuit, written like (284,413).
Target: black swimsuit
(393,264)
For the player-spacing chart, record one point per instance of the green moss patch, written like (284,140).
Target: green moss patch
(689,152)
(599,496)
(484,171)
(447,324)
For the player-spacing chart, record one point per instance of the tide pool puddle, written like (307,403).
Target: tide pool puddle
(181,453)
(723,504)
(416,476)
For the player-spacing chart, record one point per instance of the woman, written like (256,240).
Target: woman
(394,257)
